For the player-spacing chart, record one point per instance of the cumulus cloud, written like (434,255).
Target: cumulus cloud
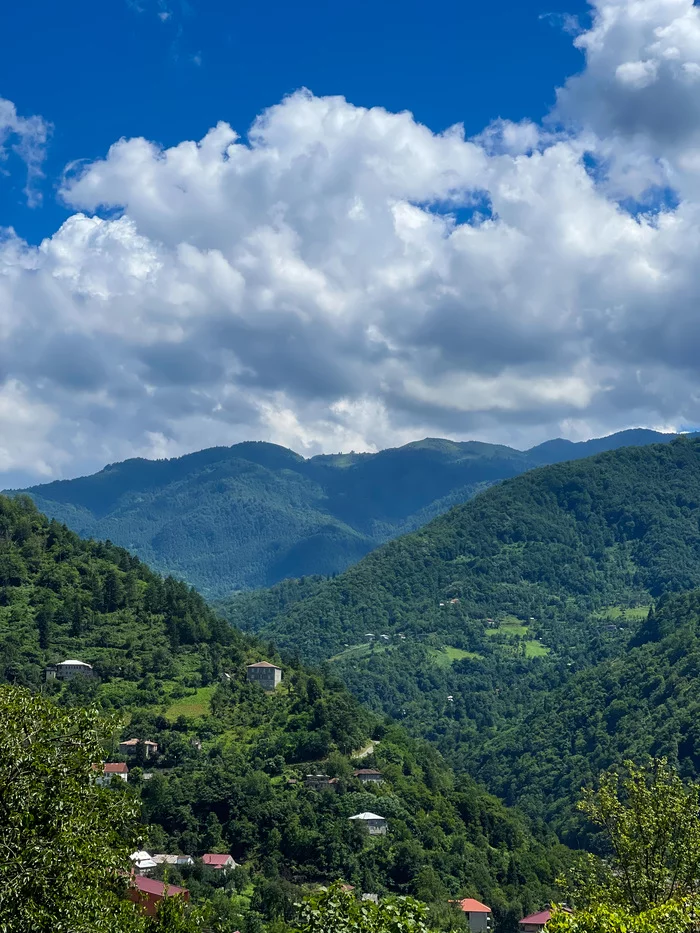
(26,137)
(344,278)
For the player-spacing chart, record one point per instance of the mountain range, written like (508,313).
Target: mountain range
(235,518)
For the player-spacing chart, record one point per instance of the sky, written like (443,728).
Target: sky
(344,226)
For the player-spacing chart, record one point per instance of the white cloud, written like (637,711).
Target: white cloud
(345,278)
(26,137)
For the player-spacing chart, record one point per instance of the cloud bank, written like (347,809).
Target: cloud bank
(346,278)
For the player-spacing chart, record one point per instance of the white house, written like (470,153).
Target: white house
(142,861)
(179,861)
(110,770)
(67,670)
(374,824)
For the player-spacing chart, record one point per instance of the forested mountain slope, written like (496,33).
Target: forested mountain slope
(546,549)
(644,702)
(226,519)
(175,674)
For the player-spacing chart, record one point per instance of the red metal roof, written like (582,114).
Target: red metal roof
(215,859)
(471,906)
(544,916)
(111,767)
(157,888)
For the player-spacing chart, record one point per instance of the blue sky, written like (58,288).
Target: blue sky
(476,221)
(169,71)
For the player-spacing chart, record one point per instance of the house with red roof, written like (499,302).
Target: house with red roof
(478,915)
(110,769)
(536,922)
(266,675)
(149,893)
(219,862)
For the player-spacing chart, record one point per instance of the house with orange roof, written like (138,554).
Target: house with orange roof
(478,915)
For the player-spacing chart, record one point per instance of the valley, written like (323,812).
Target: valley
(487,666)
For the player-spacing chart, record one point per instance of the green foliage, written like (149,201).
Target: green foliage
(63,839)
(648,880)
(337,911)
(250,515)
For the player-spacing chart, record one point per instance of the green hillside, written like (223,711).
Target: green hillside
(646,701)
(548,548)
(228,519)
(223,778)
(512,631)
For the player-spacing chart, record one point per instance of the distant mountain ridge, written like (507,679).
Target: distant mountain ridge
(236,518)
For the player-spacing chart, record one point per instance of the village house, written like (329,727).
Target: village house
(266,675)
(130,746)
(110,770)
(478,915)
(374,824)
(67,670)
(219,862)
(149,893)
(536,922)
(178,861)
(320,782)
(368,775)
(142,861)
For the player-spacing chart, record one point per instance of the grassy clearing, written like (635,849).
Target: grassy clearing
(535,649)
(617,613)
(510,627)
(444,657)
(196,704)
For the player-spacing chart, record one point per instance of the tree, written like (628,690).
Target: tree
(648,880)
(65,840)
(338,911)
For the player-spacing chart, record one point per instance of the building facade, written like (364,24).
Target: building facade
(368,776)
(266,675)
(67,670)
(110,770)
(478,915)
(374,824)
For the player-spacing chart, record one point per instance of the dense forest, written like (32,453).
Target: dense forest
(228,519)
(228,775)
(515,632)
(547,549)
